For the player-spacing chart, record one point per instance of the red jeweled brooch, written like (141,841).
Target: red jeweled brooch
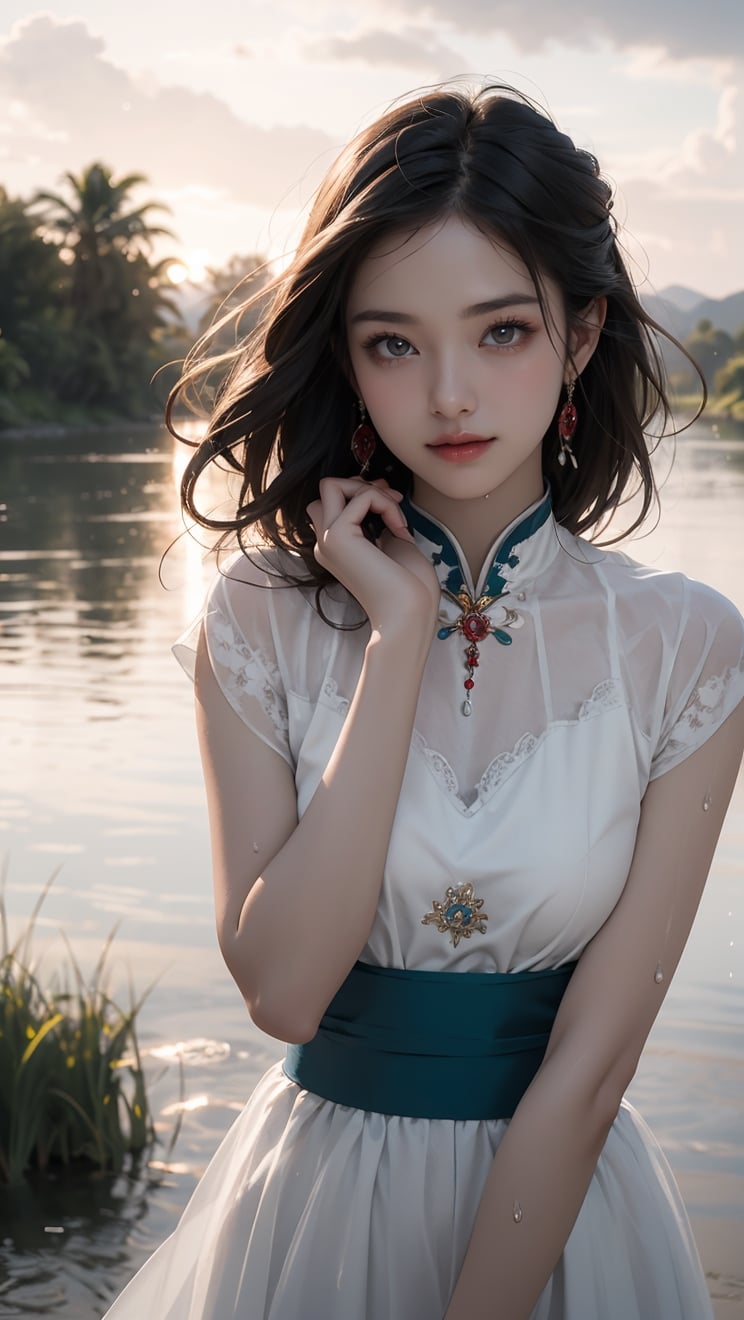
(475,626)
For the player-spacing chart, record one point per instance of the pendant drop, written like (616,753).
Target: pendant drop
(659,974)
(707,801)
(475,626)
(517,1213)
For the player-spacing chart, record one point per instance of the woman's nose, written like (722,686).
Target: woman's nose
(451,392)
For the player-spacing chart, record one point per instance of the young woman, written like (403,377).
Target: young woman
(465,770)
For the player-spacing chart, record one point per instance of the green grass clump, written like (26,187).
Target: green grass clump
(72,1086)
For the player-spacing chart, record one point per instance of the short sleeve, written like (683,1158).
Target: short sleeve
(706,682)
(238,625)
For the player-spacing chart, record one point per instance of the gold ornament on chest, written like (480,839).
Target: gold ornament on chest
(459,914)
(475,626)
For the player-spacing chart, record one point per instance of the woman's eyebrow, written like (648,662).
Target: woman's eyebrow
(477,309)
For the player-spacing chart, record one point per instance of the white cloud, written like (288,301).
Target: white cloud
(77,106)
(716,154)
(714,30)
(646,63)
(689,213)
(414,48)
(236,184)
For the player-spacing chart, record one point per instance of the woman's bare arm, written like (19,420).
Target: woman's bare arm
(295,900)
(547,1156)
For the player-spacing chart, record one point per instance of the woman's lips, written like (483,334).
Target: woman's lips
(459,448)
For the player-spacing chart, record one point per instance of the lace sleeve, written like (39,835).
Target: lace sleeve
(707,678)
(237,626)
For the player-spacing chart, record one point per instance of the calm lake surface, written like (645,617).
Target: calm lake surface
(99,775)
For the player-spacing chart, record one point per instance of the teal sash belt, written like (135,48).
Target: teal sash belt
(431,1044)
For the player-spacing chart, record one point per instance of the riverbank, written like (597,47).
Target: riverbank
(716,410)
(62,430)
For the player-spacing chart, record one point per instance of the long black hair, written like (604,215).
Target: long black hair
(285,410)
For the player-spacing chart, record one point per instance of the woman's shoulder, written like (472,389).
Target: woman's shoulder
(258,565)
(283,592)
(680,644)
(666,596)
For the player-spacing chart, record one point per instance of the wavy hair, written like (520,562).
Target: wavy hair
(284,410)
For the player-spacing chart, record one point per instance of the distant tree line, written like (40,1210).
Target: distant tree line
(84,308)
(87,314)
(720,357)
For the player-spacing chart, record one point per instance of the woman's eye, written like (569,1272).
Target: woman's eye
(508,334)
(390,346)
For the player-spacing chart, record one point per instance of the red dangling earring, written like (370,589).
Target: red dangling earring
(363,441)
(567,419)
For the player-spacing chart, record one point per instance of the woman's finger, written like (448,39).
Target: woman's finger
(348,519)
(337,494)
(364,502)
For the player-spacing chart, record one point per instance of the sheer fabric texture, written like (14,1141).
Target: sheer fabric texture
(614,675)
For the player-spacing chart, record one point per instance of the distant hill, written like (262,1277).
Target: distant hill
(679,309)
(682,297)
(725,313)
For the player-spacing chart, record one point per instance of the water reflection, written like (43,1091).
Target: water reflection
(97,723)
(62,1239)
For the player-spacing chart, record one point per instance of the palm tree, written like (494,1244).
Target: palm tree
(118,293)
(34,288)
(98,221)
(227,291)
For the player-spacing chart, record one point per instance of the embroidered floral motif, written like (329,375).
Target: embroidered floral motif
(248,672)
(459,913)
(607,695)
(704,709)
(438,764)
(331,693)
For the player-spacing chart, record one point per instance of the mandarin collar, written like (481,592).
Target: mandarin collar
(518,555)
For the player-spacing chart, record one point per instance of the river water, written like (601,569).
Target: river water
(99,777)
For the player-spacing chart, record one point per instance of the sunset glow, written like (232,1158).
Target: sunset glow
(192,267)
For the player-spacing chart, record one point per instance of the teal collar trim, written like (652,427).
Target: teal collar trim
(523,551)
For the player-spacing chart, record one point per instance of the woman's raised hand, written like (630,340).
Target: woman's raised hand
(391,579)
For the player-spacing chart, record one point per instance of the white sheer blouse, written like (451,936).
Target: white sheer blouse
(607,675)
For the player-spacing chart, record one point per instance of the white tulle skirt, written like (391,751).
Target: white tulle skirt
(313,1211)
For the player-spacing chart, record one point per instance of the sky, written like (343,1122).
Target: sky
(234,111)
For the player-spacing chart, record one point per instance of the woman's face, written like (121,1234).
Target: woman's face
(446,338)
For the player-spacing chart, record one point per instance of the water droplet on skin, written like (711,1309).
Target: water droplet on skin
(517,1213)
